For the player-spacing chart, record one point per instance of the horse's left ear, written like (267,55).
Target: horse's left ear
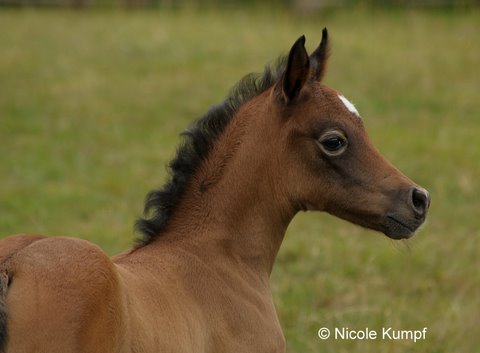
(320,56)
(296,72)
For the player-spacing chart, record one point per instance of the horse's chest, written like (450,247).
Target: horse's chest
(247,328)
(253,337)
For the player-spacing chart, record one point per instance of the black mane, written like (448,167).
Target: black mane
(195,147)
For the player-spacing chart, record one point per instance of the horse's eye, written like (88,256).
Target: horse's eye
(333,143)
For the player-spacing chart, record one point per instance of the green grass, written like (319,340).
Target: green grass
(91,105)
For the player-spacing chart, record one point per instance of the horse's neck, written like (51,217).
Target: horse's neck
(232,206)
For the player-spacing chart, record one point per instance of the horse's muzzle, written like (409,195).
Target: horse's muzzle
(402,225)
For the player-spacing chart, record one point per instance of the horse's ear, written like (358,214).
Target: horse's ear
(320,56)
(297,71)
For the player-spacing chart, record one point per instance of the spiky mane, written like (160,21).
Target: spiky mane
(195,147)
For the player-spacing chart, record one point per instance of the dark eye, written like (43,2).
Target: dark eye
(333,143)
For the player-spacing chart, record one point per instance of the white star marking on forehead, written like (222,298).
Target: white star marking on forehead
(349,105)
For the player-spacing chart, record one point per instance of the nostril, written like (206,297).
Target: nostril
(420,201)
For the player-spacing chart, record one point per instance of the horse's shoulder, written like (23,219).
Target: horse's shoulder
(70,288)
(64,270)
(11,245)
(58,259)
(74,253)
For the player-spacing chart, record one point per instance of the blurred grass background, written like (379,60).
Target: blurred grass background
(92,102)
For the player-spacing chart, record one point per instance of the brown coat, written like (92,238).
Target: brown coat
(199,280)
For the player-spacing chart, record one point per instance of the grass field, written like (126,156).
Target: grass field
(91,105)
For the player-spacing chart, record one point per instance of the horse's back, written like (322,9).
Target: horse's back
(62,292)
(10,246)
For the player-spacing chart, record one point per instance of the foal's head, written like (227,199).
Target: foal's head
(331,164)
(300,138)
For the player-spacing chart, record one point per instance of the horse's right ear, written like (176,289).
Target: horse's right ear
(320,56)
(296,72)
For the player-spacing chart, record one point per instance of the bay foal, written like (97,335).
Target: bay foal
(198,281)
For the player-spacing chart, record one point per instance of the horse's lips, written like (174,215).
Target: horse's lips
(399,229)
